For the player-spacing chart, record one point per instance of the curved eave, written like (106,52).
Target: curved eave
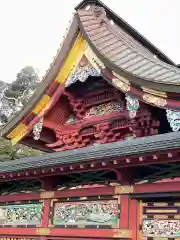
(134,33)
(106,152)
(48,80)
(100,35)
(122,55)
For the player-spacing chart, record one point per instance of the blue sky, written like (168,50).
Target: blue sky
(31,30)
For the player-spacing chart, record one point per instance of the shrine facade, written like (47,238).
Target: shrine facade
(107,114)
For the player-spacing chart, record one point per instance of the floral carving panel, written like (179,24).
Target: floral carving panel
(21,214)
(103,109)
(90,213)
(161,228)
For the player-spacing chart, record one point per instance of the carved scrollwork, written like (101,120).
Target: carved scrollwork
(37,128)
(173,118)
(132,105)
(103,109)
(81,74)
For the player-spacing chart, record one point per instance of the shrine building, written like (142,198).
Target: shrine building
(107,116)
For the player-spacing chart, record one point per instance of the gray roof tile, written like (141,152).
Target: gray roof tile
(103,151)
(121,48)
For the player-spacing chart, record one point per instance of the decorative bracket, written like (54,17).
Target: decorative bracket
(37,129)
(173,118)
(132,105)
(81,74)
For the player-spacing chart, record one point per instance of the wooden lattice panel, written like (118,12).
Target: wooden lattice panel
(161,220)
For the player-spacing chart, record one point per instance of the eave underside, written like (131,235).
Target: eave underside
(58,180)
(162,151)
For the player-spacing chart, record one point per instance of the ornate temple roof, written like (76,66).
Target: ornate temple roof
(117,52)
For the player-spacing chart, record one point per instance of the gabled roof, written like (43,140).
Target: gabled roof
(129,29)
(121,55)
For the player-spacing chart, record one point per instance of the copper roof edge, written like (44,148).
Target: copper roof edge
(132,31)
(136,80)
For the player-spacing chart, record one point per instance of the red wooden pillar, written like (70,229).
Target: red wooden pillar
(134,219)
(46,213)
(124,217)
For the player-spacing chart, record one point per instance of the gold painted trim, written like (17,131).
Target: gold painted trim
(161,211)
(158,101)
(123,189)
(42,103)
(177,204)
(70,63)
(119,77)
(81,226)
(160,204)
(83,198)
(160,216)
(93,59)
(154,92)
(43,231)
(72,59)
(122,233)
(19,136)
(46,195)
(122,86)
(18,129)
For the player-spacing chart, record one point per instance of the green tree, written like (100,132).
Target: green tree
(9,152)
(14,98)
(22,88)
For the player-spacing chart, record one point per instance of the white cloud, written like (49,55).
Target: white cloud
(31,30)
